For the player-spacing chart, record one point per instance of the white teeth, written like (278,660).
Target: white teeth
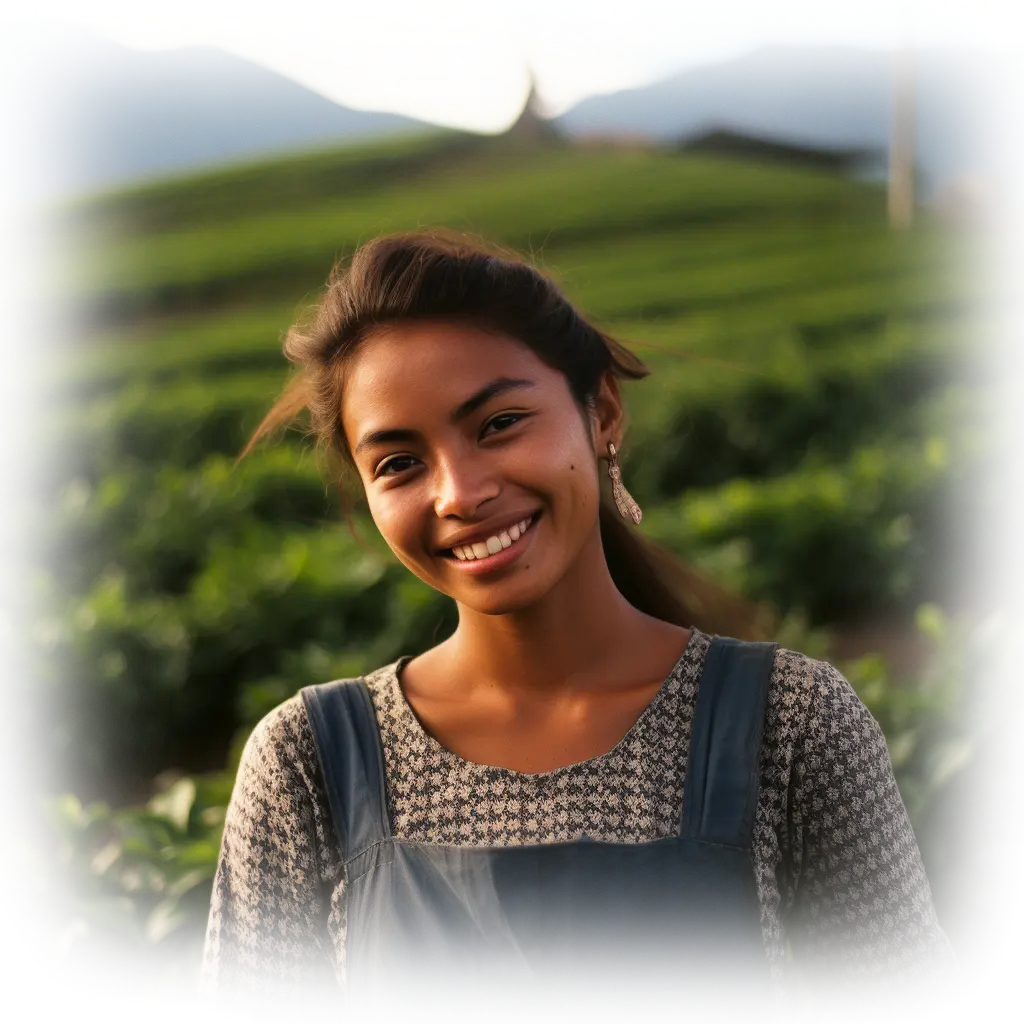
(500,541)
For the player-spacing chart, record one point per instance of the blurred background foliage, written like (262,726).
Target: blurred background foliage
(810,437)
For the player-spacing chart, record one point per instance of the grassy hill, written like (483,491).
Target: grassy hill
(807,437)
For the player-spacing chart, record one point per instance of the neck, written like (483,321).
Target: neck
(579,626)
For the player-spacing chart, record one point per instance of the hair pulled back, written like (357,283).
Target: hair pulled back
(424,275)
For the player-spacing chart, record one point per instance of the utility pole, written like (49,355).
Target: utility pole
(901,142)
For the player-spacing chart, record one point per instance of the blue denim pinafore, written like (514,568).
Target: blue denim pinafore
(585,909)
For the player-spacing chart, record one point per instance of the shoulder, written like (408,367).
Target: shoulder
(281,737)
(839,727)
(279,770)
(283,742)
(818,738)
(836,745)
(807,696)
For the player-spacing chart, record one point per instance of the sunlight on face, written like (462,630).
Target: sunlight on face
(462,438)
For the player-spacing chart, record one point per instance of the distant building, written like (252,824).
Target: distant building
(605,141)
(726,142)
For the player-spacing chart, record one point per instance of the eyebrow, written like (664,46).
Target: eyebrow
(479,398)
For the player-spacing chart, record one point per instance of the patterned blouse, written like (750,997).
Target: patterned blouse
(839,876)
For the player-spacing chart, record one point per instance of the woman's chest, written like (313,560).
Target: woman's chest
(540,734)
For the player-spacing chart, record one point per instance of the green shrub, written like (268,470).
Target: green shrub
(158,520)
(139,678)
(836,541)
(179,423)
(91,678)
(131,889)
(762,420)
(956,743)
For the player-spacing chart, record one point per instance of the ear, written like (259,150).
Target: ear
(607,415)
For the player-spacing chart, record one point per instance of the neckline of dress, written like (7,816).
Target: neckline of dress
(435,747)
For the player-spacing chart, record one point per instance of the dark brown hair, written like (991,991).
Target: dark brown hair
(433,274)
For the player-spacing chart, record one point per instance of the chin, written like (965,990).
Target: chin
(511,600)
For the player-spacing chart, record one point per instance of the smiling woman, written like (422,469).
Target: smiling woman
(581,785)
(442,286)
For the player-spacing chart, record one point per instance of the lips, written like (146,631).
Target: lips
(489,545)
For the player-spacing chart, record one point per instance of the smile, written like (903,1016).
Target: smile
(496,550)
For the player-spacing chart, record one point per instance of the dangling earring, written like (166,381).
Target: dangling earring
(624,502)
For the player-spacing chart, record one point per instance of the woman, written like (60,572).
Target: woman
(578,783)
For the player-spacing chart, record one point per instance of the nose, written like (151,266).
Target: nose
(462,486)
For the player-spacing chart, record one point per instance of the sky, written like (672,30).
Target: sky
(464,62)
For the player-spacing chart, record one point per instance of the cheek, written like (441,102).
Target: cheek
(393,517)
(561,458)
(401,534)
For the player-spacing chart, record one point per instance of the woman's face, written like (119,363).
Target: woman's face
(479,467)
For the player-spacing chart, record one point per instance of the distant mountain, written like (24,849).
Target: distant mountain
(110,115)
(822,97)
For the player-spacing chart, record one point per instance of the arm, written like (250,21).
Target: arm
(268,924)
(862,904)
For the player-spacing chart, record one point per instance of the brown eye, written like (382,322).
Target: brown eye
(389,463)
(504,416)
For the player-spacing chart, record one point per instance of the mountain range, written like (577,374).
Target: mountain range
(110,116)
(828,98)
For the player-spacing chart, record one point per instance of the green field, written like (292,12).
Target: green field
(808,437)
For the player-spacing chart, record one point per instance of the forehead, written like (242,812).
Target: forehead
(409,369)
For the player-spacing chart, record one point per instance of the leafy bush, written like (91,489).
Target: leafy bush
(186,349)
(142,422)
(956,743)
(93,677)
(156,521)
(712,425)
(146,668)
(888,526)
(130,889)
